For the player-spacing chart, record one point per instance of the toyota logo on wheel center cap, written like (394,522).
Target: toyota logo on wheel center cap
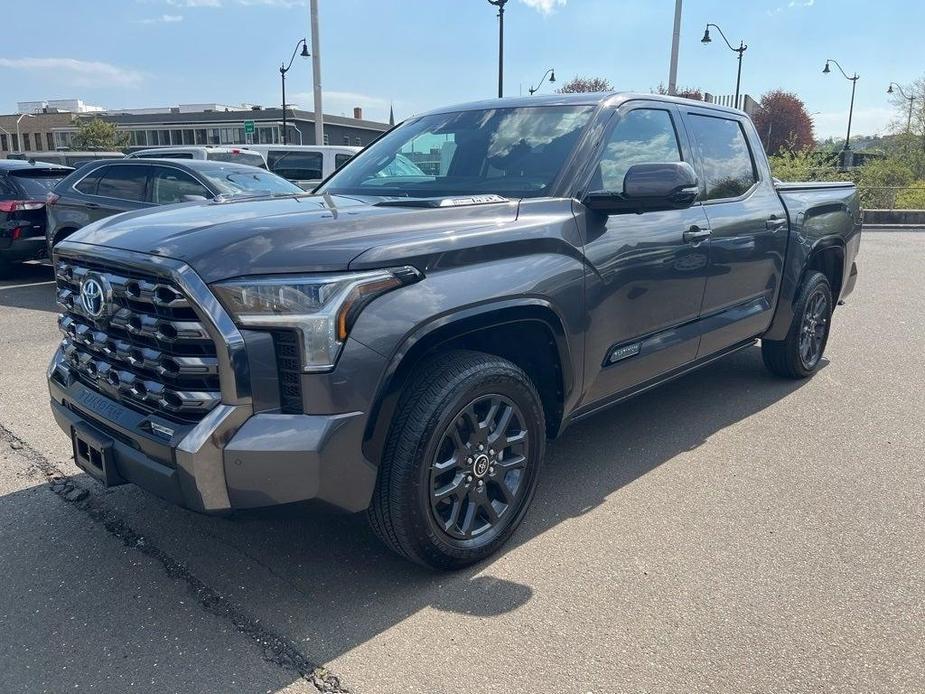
(94,295)
(480,466)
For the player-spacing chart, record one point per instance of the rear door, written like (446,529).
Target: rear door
(749,228)
(119,188)
(647,283)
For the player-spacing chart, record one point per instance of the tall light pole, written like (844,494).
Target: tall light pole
(675,42)
(500,5)
(910,99)
(740,50)
(854,84)
(18,136)
(316,74)
(552,78)
(283,69)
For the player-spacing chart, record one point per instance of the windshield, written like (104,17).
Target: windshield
(515,152)
(239,181)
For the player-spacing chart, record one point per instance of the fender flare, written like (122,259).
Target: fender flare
(451,325)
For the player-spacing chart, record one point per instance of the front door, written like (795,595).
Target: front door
(647,276)
(749,229)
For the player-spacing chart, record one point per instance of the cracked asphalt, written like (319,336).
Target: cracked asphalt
(727,532)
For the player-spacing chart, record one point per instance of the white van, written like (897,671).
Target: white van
(305,165)
(236,155)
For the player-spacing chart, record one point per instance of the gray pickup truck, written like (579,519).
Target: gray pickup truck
(404,343)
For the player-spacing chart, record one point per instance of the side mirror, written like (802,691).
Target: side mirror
(649,187)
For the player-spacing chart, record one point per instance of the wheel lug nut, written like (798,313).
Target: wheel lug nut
(491,470)
(481,446)
(491,451)
(469,460)
(468,478)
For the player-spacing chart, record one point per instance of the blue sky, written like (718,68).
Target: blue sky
(420,54)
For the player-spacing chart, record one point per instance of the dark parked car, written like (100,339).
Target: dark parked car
(23,187)
(105,188)
(404,343)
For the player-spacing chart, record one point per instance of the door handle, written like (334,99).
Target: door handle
(92,205)
(774,223)
(696,234)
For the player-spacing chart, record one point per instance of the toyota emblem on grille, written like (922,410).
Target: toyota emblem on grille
(94,295)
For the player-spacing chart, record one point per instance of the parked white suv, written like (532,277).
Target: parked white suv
(236,155)
(305,165)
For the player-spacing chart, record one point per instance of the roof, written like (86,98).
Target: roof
(206,117)
(583,99)
(18,164)
(193,164)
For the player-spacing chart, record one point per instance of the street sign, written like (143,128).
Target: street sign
(248,127)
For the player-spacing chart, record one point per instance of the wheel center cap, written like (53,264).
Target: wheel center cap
(480,465)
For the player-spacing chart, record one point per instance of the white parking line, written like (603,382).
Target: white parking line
(23,286)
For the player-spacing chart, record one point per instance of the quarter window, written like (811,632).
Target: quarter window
(88,184)
(123,182)
(642,136)
(728,169)
(169,186)
(341,159)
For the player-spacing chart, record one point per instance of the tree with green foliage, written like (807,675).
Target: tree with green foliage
(580,85)
(99,135)
(694,93)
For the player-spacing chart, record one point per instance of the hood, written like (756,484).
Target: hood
(283,235)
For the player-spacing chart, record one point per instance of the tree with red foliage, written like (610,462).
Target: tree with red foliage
(783,123)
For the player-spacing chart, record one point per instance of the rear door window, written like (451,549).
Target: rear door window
(728,169)
(172,185)
(295,166)
(124,182)
(238,157)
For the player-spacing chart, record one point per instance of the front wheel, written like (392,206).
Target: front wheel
(461,462)
(799,354)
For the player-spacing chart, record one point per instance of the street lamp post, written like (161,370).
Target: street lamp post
(283,69)
(500,5)
(854,84)
(18,136)
(552,78)
(910,99)
(740,50)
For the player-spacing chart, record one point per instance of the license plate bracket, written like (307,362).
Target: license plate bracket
(93,454)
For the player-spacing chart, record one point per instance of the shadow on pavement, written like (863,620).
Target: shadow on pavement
(325,582)
(30,286)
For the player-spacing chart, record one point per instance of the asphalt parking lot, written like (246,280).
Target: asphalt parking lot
(727,532)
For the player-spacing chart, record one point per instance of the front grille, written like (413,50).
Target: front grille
(151,353)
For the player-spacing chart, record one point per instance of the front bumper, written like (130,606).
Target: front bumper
(29,248)
(231,459)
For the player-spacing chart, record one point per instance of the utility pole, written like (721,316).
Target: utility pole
(675,41)
(316,74)
(500,5)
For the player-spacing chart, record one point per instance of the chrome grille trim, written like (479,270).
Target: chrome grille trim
(153,353)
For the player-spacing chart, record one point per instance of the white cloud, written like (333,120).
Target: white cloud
(544,6)
(163,19)
(801,3)
(274,3)
(81,73)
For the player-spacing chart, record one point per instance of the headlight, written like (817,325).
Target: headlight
(321,307)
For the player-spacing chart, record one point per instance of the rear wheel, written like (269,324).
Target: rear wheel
(462,460)
(800,353)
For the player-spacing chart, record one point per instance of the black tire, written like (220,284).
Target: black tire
(800,353)
(440,413)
